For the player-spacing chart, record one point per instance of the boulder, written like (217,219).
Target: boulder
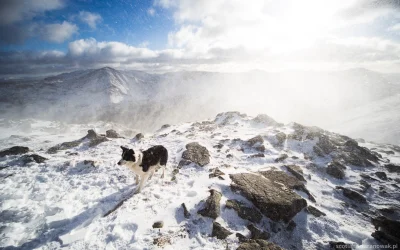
(139,136)
(392,168)
(216,173)
(265,120)
(196,153)
(33,158)
(280,138)
(92,136)
(387,231)
(16,150)
(296,171)
(185,211)
(257,234)
(219,231)
(255,141)
(291,226)
(158,224)
(353,195)
(381,175)
(111,133)
(211,207)
(269,197)
(245,212)
(258,245)
(281,158)
(335,169)
(314,211)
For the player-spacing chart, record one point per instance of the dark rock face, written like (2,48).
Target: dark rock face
(94,138)
(245,212)
(291,226)
(111,133)
(281,158)
(335,169)
(33,158)
(314,211)
(296,171)
(259,155)
(392,168)
(387,231)
(381,175)
(139,136)
(165,126)
(258,245)
(219,231)
(16,150)
(265,120)
(256,143)
(196,153)
(185,211)
(257,234)
(352,195)
(211,206)
(269,197)
(158,224)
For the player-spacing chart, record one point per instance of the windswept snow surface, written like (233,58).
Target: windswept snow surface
(60,203)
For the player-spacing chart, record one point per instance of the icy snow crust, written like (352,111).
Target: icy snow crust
(61,202)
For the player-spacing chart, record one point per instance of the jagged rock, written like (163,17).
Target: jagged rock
(258,155)
(255,140)
(196,153)
(335,169)
(185,211)
(33,158)
(216,173)
(111,133)
(92,136)
(324,146)
(89,162)
(219,231)
(365,185)
(353,195)
(244,211)
(139,136)
(335,245)
(387,231)
(281,158)
(257,234)
(281,138)
(241,237)
(158,224)
(392,168)
(165,126)
(269,197)
(226,117)
(266,120)
(291,226)
(314,211)
(211,206)
(365,176)
(258,245)
(63,146)
(287,180)
(296,171)
(381,175)
(16,150)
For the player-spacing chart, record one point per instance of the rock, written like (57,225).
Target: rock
(92,136)
(392,168)
(158,224)
(241,237)
(16,150)
(211,208)
(196,153)
(259,155)
(111,133)
(324,146)
(165,126)
(243,211)
(258,245)
(216,173)
(183,162)
(353,195)
(33,158)
(365,185)
(255,140)
(281,158)
(291,226)
(269,197)
(314,211)
(381,175)
(139,136)
(280,138)
(265,120)
(63,146)
(335,169)
(257,234)
(365,176)
(185,211)
(229,156)
(219,231)
(387,231)
(89,162)
(334,245)
(296,171)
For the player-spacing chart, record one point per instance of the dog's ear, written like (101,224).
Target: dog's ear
(124,148)
(130,151)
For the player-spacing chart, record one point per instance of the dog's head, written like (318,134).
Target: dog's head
(128,156)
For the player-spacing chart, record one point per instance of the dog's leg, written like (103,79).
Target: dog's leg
(143,180)
(163,172)
(152,173)
(137,179)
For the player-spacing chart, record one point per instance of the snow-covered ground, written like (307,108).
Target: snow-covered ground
(61,202)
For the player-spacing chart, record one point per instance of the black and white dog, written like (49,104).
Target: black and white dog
(145,163)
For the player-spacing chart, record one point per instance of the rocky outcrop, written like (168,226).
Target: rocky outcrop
(257,234)
(211,207)
(258,245)
(196,153)
(381,175)
(111,133)
(139,136)
(392,168)
(387,231)
(296,171)
(33,158)
(219,231)
(265,120)
(353,195)
(16,150)
(158,224)
(92,136)
(274,201)
(216,173)
(256,143)
(314,211)
(335,169)
(245,212)
(281,158)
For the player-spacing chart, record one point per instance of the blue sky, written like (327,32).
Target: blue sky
(52,36)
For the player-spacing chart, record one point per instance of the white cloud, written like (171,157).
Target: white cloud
(395,27)
(57,33)
(91,19)
(151,11)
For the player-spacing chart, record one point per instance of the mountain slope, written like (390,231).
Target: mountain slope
(61,202)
